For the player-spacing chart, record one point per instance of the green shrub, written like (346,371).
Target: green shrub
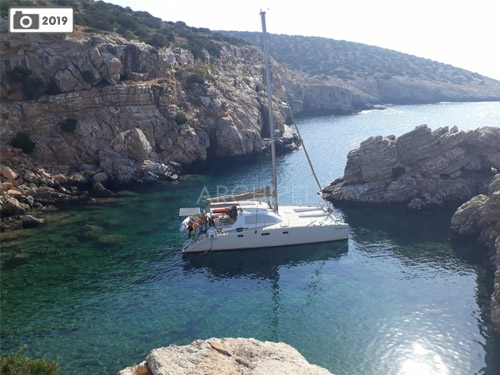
(88,76)
(142,32)
(197,52)
(158,40)
(93,30)
(19,74)
(127,21)
(127,34)
(180,118)
(24,142)
(168,34)
(33,87)
(68,125)
(197,77)
(15,365)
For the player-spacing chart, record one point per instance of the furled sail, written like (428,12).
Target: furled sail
(251,195)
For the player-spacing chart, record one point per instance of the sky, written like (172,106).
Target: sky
(465,34)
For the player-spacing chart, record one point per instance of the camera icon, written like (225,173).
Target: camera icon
(26,21)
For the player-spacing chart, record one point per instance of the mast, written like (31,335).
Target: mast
(274,183)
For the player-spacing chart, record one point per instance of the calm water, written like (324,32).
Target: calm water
(101,285)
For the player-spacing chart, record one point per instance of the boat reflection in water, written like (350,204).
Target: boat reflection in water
(262,263)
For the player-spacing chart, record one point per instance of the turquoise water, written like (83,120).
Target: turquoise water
(101,285)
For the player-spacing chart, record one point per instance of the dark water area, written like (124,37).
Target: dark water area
(99,286)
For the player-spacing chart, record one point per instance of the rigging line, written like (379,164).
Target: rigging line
(305,150)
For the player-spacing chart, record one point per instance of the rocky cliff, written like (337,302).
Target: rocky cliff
(225,356)
(86,104)
(313,97)
(108,85)
(480,217)
(421,167)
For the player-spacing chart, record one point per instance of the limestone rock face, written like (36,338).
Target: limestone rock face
(136,100)
(132,143)
(480,216)
(227,356)
(466,219)
(419,168)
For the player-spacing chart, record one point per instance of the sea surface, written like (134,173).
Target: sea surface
(101,285)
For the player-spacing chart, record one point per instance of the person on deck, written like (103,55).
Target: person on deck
(233,212)
(203,222)
(196,227)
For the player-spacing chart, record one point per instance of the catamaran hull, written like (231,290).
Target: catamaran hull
(250,239)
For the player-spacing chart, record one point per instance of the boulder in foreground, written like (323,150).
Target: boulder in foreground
(226,356)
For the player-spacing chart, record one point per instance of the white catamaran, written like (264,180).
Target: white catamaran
(243,221)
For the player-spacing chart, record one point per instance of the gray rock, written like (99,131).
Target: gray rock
(419,168)
(135,76)
(466,219)
(227,356)
(88,167)
(11,206)
(480,216)
(99,191)
(112,68)
(78,179)
(101,177)
(27,199)
(29,176)
(119,168)
(159,171)
(132,143)
(31,221)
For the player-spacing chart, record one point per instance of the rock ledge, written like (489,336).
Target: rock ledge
(224,357)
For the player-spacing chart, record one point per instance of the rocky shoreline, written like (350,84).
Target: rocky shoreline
(101,112)
(480,218)
(425,168)
(225,356)
(420,168)
(25,186)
